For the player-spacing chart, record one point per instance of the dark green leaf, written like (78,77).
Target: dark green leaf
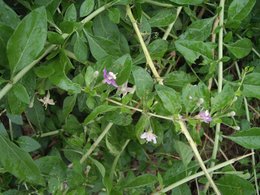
(248,138)
(143,82)
(44,71)
(187,2)
(18,162)
(221,100)
(114,15)
(16,119)
(163,17)
(86,8)
(239,10)
(28,144)
(80,49)
(21,93)
(8,16)
(240,48)
(178,79)
(99,110)
(184,151)
(71,14)
(140,181)
(170,98)
(199,30)
(68,105)
(28,40)
(123,66)
(100,167)
(234,185)
(192,50)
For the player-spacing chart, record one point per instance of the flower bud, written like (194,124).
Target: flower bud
(237,128)
(231,114)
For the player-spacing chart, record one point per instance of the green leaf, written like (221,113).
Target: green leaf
(101,47)
(118,118)
(123,66)
(249,139)
(5,34)
(140,181)
(178,79)
(86,8)
(61,80)
(234,185)
(71,14)
(163,17)
(15,105)
(16,119)
(157,49)
(80,49)
(251,91)
(143,82)
(192,50)
(28,40)
(239,10)
(18,162)
(141,126)
(182,189)
(240,48)
(114,15)
(21,93)
(99,110)
(55,38)
(68,105)
(222,99)
(36,115)
(8,16)
(184,151)
(187,2)
(28,144)
(170,98)
(199,30)
(100,167)
(44,71)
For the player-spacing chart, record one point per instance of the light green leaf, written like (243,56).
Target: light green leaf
(240,48)
(251,85)
(199,30)
(239,10)
(99,110)
(178,79)
(28,144)
(18,162)
(234,185)
(143,82)
(170,98)
(28,40)
(86,8)
(21,93)
(192,50)
(249,139)
(184,151)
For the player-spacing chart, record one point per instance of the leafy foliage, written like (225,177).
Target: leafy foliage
(69,127)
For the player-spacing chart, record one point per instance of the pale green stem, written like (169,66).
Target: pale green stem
(144,48)
(248,119)
(198,157)
(94,145)
(17,77)
(139,110)
(50,133)
(159,4)
(220,82)
(168,30)
(201,173)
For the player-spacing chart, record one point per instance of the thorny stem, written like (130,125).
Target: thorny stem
(168,30)
(201,173)
(197,155)
(144,48)
(248,119)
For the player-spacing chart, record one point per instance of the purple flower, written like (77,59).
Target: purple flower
(204,116)
(149,136)
(109,78)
